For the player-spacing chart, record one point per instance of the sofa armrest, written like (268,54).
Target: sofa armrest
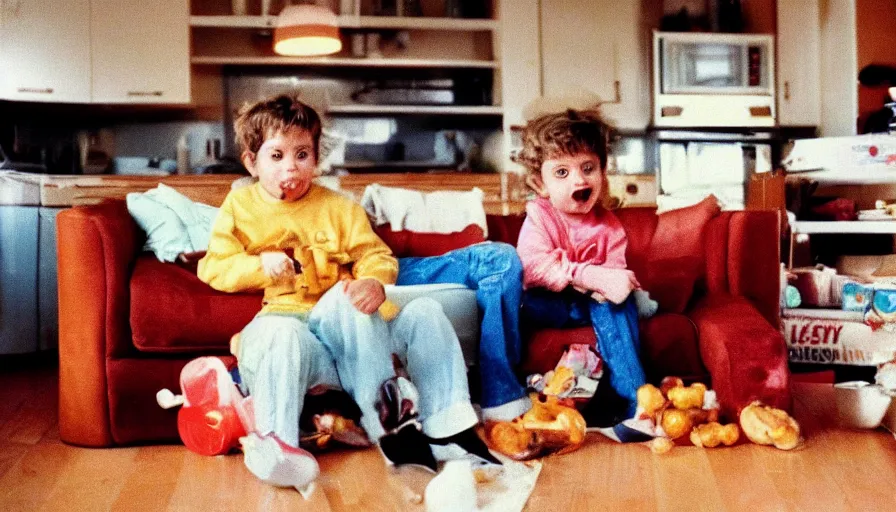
(96,248)
(745,355)
(743,254)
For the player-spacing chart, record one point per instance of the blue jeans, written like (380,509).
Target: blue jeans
(615,325)
(494,271)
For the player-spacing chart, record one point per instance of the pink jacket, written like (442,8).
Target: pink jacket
(554,248)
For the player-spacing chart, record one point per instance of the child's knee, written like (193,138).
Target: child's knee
(423,307)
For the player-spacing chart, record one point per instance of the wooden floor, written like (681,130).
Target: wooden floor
(834,470)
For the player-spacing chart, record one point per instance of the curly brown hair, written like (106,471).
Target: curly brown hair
(565,133)
(258,121)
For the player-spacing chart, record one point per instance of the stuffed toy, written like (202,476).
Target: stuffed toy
(214,414)
(769,426)
(683,413)
(552,425)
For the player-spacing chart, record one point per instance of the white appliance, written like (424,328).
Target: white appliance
(713,80)
(692,165)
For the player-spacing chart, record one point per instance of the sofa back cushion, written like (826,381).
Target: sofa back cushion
(172,311)
(409,243)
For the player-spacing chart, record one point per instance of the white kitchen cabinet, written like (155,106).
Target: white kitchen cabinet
(597,47)
(45,50)
(95,51)
(799,75)
(140,51)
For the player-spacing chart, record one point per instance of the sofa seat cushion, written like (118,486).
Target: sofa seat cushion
(172,311)
(668,347)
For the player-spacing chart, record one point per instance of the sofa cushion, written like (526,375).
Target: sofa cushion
(668,347)
(671,281)
(410,243)
(173,311)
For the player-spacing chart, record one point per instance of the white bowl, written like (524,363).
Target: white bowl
(860,404)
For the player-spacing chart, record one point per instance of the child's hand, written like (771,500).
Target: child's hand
(366,295)
(613,283)
(277,265)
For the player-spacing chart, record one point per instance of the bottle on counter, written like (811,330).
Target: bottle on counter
(183,156)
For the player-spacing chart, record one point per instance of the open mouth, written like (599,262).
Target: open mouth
(582,195)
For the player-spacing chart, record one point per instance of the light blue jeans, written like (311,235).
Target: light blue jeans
(424,340)
(494,271)
(282,357)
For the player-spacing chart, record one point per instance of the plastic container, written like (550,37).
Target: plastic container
(861,405)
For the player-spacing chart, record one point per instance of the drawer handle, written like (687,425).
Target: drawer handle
(145,93)
(36,90)
(787,91)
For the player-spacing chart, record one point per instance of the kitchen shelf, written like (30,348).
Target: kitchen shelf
(356,22)
(417,109)
(845,227)
(214,60)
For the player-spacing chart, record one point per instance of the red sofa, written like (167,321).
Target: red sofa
(129,323)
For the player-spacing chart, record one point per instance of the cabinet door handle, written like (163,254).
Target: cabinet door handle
(787,91)
(146,93)
(617,94)
(36,90)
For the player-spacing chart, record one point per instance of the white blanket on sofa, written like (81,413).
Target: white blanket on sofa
(424,212)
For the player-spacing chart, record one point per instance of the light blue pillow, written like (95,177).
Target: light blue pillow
(173,223)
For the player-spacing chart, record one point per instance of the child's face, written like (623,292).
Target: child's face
(285,164)
(573,183)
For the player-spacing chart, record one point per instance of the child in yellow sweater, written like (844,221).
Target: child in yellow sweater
(319,325)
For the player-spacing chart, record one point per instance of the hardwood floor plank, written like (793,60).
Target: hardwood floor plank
(33,418)
(33,479)
(93,479)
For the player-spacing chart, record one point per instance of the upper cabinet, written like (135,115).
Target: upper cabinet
(99,51)
(45,50)
(141,51)
(599,47)
(799,77)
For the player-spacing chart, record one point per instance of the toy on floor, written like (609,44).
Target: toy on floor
(551,426)
(682,412)
(576,375)
(769,426)
(214,414)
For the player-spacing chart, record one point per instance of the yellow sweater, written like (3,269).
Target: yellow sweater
(329,234)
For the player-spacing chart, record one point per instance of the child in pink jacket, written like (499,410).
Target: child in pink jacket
(572,249)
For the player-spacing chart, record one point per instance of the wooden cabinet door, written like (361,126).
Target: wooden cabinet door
(597,47)
(45,50)
(141,51)
(799,77)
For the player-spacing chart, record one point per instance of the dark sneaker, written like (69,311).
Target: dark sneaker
(407,445)
(469,442)
(606,408)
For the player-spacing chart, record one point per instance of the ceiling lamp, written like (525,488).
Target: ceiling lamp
(306,31)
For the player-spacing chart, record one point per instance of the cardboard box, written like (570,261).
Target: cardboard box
(830,336)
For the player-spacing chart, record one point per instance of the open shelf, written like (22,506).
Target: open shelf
(269,60)
(358,22)
(845,227)
(416,109)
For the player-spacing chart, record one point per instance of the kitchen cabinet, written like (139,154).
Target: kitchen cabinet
(600,48)
(798,49)
(99,51)
(140,51)
(45,50)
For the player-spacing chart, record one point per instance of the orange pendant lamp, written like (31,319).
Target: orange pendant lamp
(306,31)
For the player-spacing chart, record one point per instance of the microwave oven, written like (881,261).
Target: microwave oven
(713,80)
